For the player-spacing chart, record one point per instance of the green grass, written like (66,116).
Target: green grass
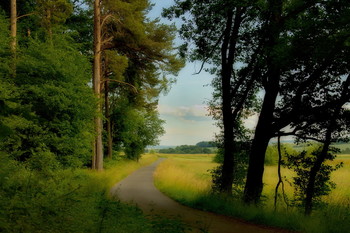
(185,178)
(69,201)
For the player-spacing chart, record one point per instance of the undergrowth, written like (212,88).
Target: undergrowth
(67,200)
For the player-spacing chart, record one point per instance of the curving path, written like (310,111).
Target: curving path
(138,188)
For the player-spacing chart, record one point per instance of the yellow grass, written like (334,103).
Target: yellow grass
(185,176)
(189,174)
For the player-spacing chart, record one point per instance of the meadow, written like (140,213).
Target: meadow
(186,179)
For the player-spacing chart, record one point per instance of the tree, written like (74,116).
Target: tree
(300,62)
(47,105)
(137,59)
(13,25)
(217,29)
(97,162)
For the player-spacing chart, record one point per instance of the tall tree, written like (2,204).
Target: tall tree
(217,28)
(299,61)
(138,54)
(97,81)
(13,25)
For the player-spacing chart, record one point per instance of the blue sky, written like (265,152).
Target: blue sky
(184,107)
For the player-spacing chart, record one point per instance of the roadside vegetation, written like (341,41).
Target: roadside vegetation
(187,179)
(71,200)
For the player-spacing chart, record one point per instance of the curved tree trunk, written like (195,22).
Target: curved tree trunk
(264,131)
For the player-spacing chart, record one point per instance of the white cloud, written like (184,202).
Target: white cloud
(251,121)
(188,113)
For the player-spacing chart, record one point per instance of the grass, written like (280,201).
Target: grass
(69,201)
(185,179)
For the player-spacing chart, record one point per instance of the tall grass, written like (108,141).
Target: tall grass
(186,180)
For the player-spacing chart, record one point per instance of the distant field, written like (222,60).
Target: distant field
(199,165)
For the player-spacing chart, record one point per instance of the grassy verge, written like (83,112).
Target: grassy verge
(71,201)
(186,180)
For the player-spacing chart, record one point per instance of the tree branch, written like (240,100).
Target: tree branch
(29,14)
(125,83)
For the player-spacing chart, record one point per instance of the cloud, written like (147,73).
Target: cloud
(187,113)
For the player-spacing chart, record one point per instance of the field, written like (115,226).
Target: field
(186,179)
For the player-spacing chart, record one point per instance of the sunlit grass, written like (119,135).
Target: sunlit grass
(173,177)
(186,178)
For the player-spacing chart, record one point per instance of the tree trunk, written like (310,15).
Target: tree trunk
(13,43)
(310,189)
(98,150)
(264,131)
(254,182)
(108,122)
(228,164)
(228,53)
(13,25)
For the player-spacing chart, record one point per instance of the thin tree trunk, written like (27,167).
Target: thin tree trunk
(108,122)
(13,44)
(228,51)
(13,25)
(98,151)
(310,189)
(280,180)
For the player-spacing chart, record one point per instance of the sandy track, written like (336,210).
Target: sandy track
(138,188)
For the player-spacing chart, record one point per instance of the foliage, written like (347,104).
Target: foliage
(187,149)
(301,164)
(206,144)
(240,169)
(135,129)
(271,156)
(55,105)
(139,61)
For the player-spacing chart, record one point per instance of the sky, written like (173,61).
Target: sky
(184,108)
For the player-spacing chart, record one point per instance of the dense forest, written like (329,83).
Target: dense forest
(80,81)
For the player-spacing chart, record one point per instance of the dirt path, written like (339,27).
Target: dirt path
(138,188)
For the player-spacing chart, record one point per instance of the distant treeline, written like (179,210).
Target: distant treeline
(345,151)
(199,148)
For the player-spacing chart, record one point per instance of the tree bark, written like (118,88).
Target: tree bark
(98,150)
(108,122)
(13,25)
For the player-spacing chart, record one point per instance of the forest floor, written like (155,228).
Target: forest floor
(138,188)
